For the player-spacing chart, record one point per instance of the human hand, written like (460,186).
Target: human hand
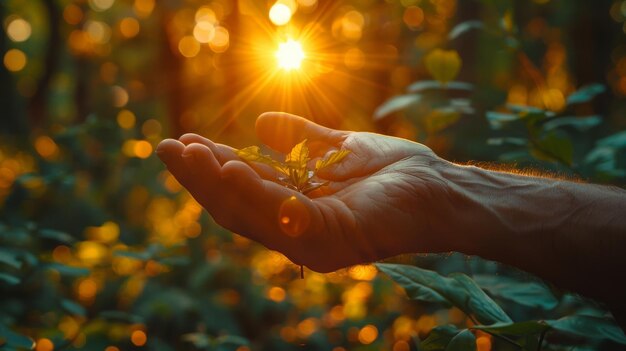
(387,197)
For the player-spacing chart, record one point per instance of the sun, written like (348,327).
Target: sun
(290,55)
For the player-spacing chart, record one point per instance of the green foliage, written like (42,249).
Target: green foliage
(166,269)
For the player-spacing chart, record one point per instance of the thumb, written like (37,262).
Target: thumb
(281,131)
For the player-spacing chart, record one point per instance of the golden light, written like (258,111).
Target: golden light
(19,30)
(280,14)
(290,55)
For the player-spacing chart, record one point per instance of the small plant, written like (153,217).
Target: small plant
(294,172)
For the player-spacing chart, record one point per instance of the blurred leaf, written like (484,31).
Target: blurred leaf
(138,255)
(464,27)
(525,110)
(57,236)
(516,329)
(395,104)
(553,147)
(617,140)
(438,338)
(463,341)
(579,123)
(120,316)
(510,141)
(528,293)
(440,119)
(436,85)
(498,119)
(199,340)
(585,93)
(590,327)
(443,65)
(65,270)
(73,307)
(14,340)
(331,159)
(9,279)
(459,290)
(10,257)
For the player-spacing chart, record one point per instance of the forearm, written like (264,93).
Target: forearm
(571,234)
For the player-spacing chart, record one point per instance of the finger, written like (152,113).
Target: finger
(260,203)
(223,153)
(170,152)
(281,131)
(203,167)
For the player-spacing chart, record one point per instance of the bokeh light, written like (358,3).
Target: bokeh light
(129,27)
(15,60)
(19,30)
(280,14)
(101,5)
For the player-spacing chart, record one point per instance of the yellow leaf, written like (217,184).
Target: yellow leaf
(331,159)
(299,155)
(443,65)
(253,154)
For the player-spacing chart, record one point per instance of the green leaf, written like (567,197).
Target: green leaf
(436,85)
(331,159)
(57,236)
(553,147)
(73,307)
(458,290)
(579,123)
(498,119)
(440,119)
(15,340)
(533,294)
(617,140)
(478,302)
(10,257)
(515,329)
(417,283)
(396,104)
(253,154)
(463,341)
(464,27)
(438,338)
(9,279)
(585,93)
(69,271)
(509,141)
(590,327)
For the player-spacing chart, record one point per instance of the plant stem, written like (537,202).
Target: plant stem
(541,337)
(510,341)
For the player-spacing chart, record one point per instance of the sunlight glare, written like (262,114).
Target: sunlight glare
(290,55)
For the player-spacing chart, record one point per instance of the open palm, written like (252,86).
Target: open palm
(385,198)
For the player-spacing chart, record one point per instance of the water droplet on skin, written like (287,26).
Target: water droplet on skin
(293,217)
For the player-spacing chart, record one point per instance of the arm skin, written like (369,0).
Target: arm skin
(391,196)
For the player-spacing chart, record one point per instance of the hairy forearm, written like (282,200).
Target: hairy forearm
(572,234)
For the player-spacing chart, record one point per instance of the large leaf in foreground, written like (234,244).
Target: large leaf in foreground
(458,290)
(590,327)
(528,293)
